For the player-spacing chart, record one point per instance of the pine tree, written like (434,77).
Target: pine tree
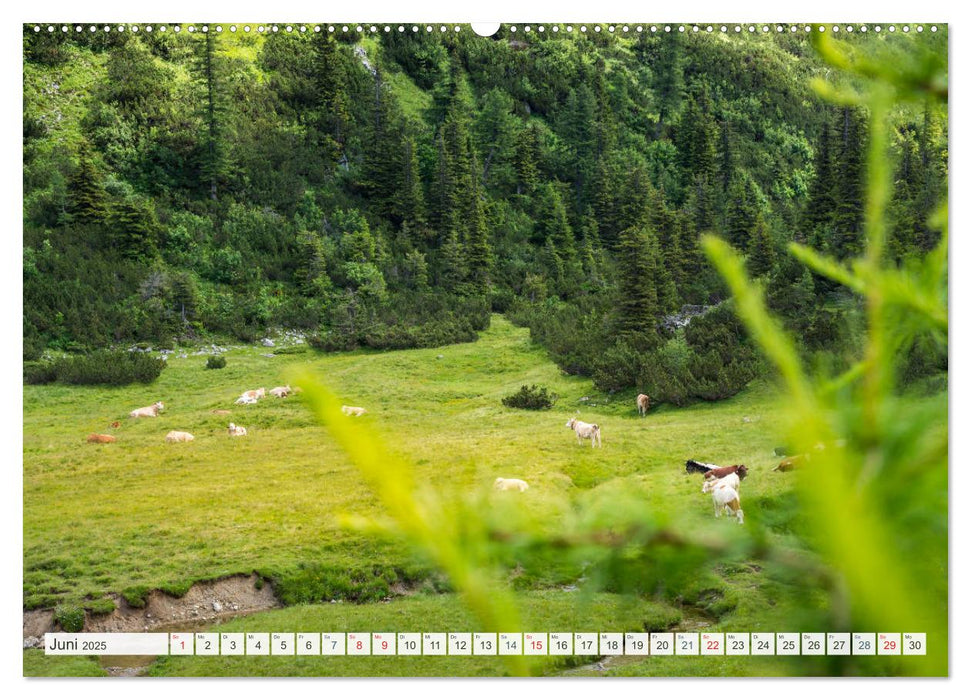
(669,80)
(215,166)
(822,192)
(134,229)
(741,214)
(478,251)
(638,300)
(761,249)
(333,116)
(526,158)
(88,200)
(847,239)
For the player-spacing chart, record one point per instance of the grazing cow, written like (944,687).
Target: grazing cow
(353,410)
(246,400)
(221,412)
(510,485)
(724,498)
(101,439)
(791,463)
(732,480)
(236,430)
(254,394)
(179,436)
(281,392)
(115,424)
(719,472)
(692,466)
(643,404)
(148,411)
(585,431)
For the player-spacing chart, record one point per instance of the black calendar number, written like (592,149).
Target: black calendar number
(838,645)
(310,645)
(586,645)
(763,645)
(914,645)
(788,645)
(460,645)
(663,645)
(410,645)
(208,645)
(737,645)
(813,645)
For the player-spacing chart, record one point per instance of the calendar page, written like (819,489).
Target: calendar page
(472,350)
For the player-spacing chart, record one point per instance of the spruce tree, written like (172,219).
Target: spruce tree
(847,239)
(215,167)
(821,205)
(741,213)
(134,229)
(478,251)
(637,306)
(526,158)
(761,249)
(332,119)
(87,197)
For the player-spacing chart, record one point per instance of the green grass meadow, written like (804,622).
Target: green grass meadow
(141,513)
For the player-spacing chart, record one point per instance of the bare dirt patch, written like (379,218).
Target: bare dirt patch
(205,602)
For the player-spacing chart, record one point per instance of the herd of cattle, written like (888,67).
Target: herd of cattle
(723,483)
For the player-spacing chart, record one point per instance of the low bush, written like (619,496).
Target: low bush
(532,398)
(215,362)
(113,368)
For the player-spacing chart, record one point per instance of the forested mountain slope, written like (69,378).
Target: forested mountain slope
(391,189)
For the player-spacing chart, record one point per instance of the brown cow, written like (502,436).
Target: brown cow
(643,404)
(719,472)
(791,463)
(101,439)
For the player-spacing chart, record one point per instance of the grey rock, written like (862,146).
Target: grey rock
(267,343)
(217,606)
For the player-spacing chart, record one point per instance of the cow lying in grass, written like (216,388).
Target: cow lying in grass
(101,439)
(148,411)
(353,410)
(236,430)
(695,467)
(585,431)
(281,392)
(510,485)
(179,436)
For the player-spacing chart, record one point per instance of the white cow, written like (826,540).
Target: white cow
(179,436)
(724,498)
(254,393)
(148,411)
(510,485)
(585,431)
(236,430)
(246,400)
(281,392)
(353,410)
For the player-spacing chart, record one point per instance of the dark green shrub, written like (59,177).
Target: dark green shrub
(39,373)
(69,617)
(113,368)
(215,362)
(532,398)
